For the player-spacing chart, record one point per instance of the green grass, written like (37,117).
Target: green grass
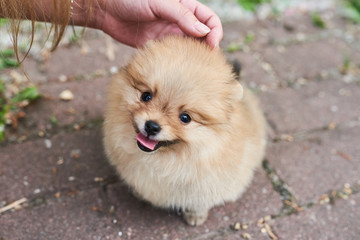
(28,94)
(3,109)
(352,10)
(250,37)
(251,5)
(3,21)
(9,106)
(54,121)
(7,59)
(318,21)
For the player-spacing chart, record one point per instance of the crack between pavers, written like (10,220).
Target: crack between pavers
(243,230)
(331,196)
(302,38)
(47,197)
(48,134)
(292,136)
(79,78)
(290,204)
(308,38)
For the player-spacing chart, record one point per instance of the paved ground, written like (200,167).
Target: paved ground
(308,79)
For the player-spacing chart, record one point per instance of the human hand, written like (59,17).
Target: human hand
(134,22)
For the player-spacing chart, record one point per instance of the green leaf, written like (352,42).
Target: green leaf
(233,47)
(74,38)
(3,110)
(353,15)
(355,4)
(317,20)
(54,120)
(2,64)
(251,5)
(250,37)
(7,62)
(2,86)
(30,94)
(2,132)
(352,10)
(7,53)
(3,21)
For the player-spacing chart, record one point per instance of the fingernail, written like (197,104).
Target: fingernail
(201,28)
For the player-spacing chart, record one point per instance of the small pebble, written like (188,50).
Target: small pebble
(244,226)
(98,179)
(66,95)
(237,226)
(48,143)
(334,108)
(60,161)
(63,78)
(246,236)
(75,153)
(300,37)
(114,70)
(36,191)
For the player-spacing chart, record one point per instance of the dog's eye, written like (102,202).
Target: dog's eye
(185,118)
(146,96)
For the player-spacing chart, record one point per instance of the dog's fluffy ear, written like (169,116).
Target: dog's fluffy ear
(236,67)
(238,91)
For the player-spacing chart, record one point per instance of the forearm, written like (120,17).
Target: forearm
(88,13)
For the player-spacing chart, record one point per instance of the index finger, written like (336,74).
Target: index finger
(209,18)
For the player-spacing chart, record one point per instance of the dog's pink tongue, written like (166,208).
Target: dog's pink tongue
(147,142)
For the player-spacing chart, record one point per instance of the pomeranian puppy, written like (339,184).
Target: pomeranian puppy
(181,130)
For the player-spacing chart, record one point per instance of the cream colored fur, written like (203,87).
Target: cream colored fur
(211,159)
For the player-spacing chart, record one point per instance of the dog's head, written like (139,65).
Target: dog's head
(177,91)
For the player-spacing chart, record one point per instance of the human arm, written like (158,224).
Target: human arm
(132,22)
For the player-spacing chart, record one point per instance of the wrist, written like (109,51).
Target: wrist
(87,13)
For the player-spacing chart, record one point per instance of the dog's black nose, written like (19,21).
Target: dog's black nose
(152,128)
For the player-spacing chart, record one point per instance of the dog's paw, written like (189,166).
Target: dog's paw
(195,218)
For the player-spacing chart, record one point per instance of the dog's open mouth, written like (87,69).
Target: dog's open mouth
(149,145)
(146,144)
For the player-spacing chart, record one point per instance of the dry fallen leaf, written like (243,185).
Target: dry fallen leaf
(246,236)
(270,232)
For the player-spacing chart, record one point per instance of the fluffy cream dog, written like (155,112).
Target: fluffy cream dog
(181,130)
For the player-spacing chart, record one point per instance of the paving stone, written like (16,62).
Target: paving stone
(315,105)
(81,216)
(318,163)
(50,112)
(74,60)
(65,162)
(338,221)
(259,200)
(69,162)
(286,28)
(252,74)
(306,60)
(235,31)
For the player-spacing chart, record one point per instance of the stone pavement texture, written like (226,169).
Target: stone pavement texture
(307,188)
